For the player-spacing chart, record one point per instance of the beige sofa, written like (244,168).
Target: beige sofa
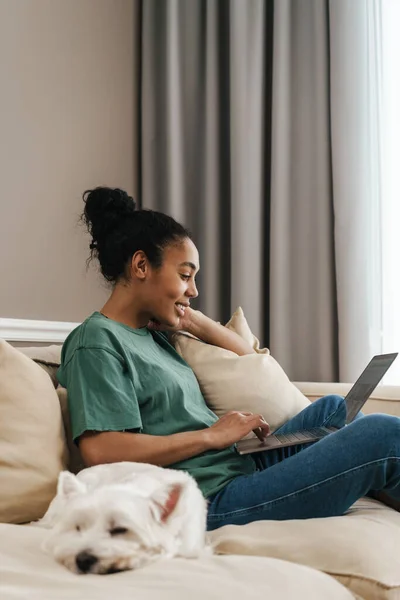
(353,556)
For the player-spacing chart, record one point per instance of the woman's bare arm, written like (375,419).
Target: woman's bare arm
(116,446)
(213,333)
(204,328)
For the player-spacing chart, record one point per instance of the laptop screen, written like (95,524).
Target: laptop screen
(366,383)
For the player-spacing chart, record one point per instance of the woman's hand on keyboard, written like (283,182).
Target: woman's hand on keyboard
(235,425)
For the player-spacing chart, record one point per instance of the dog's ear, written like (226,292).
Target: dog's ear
(164,503)
(69,485)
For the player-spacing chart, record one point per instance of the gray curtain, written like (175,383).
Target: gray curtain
(204,140)
(302,283)
(235,142)
(356,88)
(326,313)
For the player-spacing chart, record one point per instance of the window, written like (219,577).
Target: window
(390,181)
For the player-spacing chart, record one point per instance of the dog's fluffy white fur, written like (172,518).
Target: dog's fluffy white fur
(124,515)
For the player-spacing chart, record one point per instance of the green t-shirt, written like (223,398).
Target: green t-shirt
(124,379)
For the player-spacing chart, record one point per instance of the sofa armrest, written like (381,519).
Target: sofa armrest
(384,399)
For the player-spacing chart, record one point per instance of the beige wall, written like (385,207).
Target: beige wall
(67,92)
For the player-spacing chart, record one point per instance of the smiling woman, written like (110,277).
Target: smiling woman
(132,398)
(160,294)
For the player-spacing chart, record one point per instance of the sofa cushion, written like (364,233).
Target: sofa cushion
(360,549)
(26,572)
(32,446)
(384,399)
(255,382)
(47,357)
(75,461)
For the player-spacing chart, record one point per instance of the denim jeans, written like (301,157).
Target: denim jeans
(321,479)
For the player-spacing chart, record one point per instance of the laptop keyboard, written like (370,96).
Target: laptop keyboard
(315,434)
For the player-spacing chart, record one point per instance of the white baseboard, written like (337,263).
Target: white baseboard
(26,330)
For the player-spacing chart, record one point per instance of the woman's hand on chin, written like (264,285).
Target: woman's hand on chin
(186,323)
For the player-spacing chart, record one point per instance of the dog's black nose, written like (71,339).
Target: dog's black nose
(85,561)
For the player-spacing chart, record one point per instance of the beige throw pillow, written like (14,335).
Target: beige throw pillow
(255,382)
(32,447)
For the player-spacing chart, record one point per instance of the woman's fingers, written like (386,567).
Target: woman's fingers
(262,434)
(261,429)
(256,422)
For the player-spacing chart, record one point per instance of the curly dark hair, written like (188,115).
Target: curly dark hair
(118,230)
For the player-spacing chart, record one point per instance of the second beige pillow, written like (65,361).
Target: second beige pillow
(254,383)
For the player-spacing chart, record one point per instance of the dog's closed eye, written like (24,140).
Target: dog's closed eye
(118,531)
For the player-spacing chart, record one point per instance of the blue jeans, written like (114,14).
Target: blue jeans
(321,479)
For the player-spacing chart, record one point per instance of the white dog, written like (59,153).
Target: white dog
(121,516)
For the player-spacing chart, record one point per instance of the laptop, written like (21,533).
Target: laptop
(355,400)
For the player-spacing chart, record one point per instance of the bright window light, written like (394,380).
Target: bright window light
(390,183)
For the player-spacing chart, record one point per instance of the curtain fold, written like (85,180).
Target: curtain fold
(326,247)
(302,281)
(205,131)
(355,118)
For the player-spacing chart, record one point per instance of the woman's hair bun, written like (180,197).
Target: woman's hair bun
(105,209)
(118,231)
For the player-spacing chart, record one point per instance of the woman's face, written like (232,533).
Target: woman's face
(170,288)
